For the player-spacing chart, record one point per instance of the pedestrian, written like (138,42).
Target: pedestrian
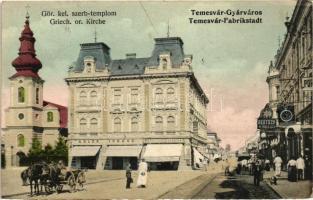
(257,172)
(226,172)
(142,174)
(277,163)
(267,165)
(292,170)
(300,167)
(308,167)
(238,168)
(129,178)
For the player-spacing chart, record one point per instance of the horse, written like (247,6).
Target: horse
(24,176)
(35,175)
(51,178)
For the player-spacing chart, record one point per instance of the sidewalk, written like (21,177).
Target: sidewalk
(287,189)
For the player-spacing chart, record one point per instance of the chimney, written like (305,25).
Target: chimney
(130,55)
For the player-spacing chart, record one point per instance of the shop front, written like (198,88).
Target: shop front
(163,156)
(84,157)
(118,157)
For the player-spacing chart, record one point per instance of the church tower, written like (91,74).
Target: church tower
(24,115)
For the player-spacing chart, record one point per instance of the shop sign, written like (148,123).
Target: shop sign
(265,120)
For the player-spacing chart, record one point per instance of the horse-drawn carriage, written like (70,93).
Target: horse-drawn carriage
(74,179)
(52,177)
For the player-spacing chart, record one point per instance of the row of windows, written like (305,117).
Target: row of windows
(117,122)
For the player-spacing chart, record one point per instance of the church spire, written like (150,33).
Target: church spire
(26,64)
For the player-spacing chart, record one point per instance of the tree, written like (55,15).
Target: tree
(61,150)
(35,152)
(48,153)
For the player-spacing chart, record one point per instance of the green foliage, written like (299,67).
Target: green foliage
(48,153)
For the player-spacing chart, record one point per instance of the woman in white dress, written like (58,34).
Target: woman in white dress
(142,174)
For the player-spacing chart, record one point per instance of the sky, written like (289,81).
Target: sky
(230,61)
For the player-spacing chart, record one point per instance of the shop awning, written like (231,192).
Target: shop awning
(84,151)
(123,151)
(162,152)
(198,157)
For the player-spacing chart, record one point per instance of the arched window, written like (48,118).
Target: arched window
(164,63)
(21,95)
(170,123)
(20,140)
(83,123)
(117,124)
(49,116)
(93,124)
(159,95)
(134,124)
(93,97)
(93,94)
(159,123)
(82,98)
(83,94)
(170,94)
(37,95)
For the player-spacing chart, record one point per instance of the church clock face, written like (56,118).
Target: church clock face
(21,116)
(286,115)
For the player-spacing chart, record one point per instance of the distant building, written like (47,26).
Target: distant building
(121,111)
(28,115)
(213,146)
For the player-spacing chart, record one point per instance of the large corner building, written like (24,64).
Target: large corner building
(122,111)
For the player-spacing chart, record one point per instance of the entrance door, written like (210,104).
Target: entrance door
(117,163)
(134,163)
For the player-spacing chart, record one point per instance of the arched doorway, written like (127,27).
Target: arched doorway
(21,159)
(293,144)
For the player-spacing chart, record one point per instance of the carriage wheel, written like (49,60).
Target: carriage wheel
(81,179)
(59,188)
(48,189)
(71,182)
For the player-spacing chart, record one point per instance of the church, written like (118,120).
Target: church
(124,110)
(29,116)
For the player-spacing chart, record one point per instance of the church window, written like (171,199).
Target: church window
(50,116)
(37,95)
(21,95)
(20,140)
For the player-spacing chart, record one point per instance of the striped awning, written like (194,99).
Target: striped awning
(84,151)
(123,151)
(163,152)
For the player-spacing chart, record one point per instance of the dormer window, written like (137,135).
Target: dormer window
(89,63)
(164,63)
(119,67)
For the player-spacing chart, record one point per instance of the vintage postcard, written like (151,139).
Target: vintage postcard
(156,99)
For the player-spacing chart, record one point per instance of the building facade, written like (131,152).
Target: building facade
(29,116)
(122,111)
(290,90)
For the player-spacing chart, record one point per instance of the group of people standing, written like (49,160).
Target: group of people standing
(142,175)
(295,168)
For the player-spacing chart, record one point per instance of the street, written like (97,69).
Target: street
(222,187)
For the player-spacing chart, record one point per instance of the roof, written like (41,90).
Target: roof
(173,45)
(98,50)
(130,66)
(62,110)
